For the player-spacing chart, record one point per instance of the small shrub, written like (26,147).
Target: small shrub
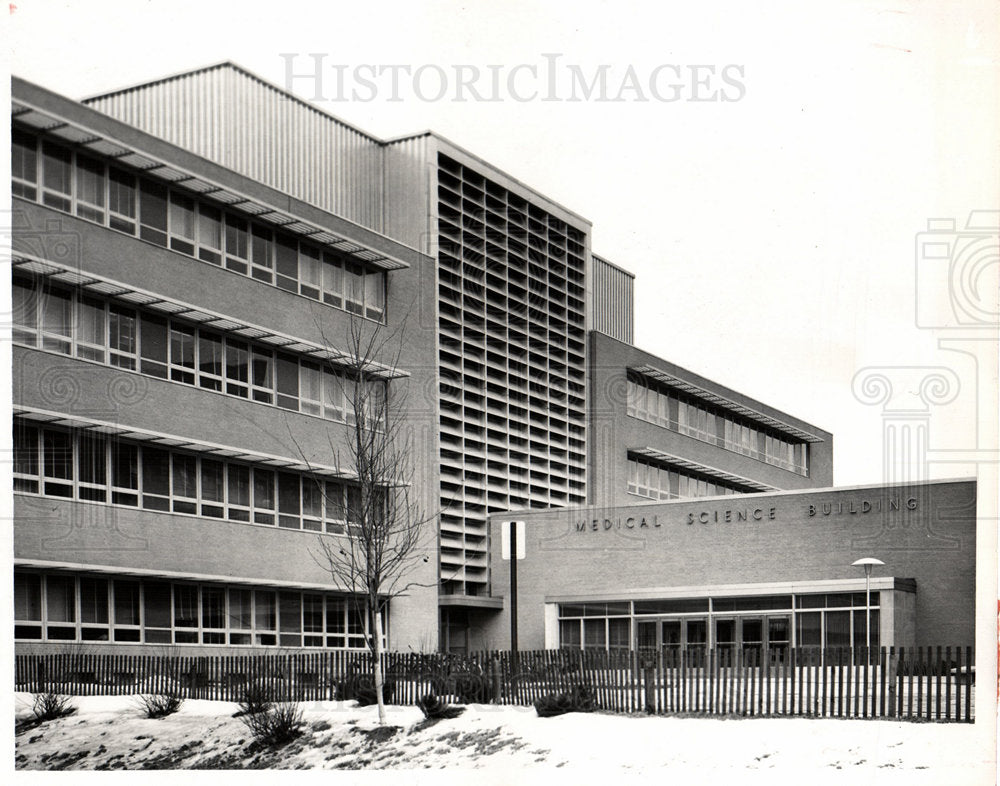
(361,688)
(434,709)
(579,699)
(276,725)
(255,698)
(49,706)
(159,705)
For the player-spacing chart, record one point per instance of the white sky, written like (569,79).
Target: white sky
(772,237)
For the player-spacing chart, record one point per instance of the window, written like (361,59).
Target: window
(57,176)
(333,280)
(262,254)
(289,500)
(209,361)
(237,249)
(24,165)
(310,394)
(288,381)
(185,483)
(156,612)
(210,234)
(126,609)
(237,368)
(26,466)
(287,264)
(265,617)
(153,212)
(121,201)
(309,272)
(93,609)
(90,465)
(374,294)
(87,608)
(213,488)
(312,620)
(57,454)
(93,470)
(290,619)
(355,288)
(25,314)
(186,614)
(182,354)
(60,607)
(183,224)
(239,492)
(263,496)
(124,474)
(171,217)
(122,337)
(262,376)
(240,616)
(57,322)
(213,615)
(91,329)
(27,606)
(89,188)
(153,346)
(155,478)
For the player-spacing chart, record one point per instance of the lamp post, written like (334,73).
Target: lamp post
(867,563)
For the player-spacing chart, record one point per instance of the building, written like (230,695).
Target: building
(190,255)
(767,570)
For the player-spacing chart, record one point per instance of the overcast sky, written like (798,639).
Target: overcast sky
(771,226)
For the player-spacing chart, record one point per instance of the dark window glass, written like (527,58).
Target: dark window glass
(288,381)
(182,354)
(156,604)
(24,165)
(185,606)
(57,176)
(155,478)
(184,481)
(210,360)
(60,593)
(153,212)
(239,491)
(89,188)
(263,495)
(94,601)
(237,250)
(153,345)
(212,488)
(288,500)
(122,336)
(210,234)
(93,458)
(287,264)
(27,596)
(182,223)
(126,603)
(121,200)
(237,368)
(25,448)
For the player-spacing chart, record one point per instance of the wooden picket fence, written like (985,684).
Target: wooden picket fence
(910,683)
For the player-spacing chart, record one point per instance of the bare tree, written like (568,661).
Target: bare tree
(386,534)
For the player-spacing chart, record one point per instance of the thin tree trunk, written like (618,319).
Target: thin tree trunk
(379,678)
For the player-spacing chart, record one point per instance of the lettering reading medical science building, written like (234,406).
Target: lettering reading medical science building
(730,515)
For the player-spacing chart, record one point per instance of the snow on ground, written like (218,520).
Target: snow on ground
(110,732)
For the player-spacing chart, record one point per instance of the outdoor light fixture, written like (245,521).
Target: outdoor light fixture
(867,563)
